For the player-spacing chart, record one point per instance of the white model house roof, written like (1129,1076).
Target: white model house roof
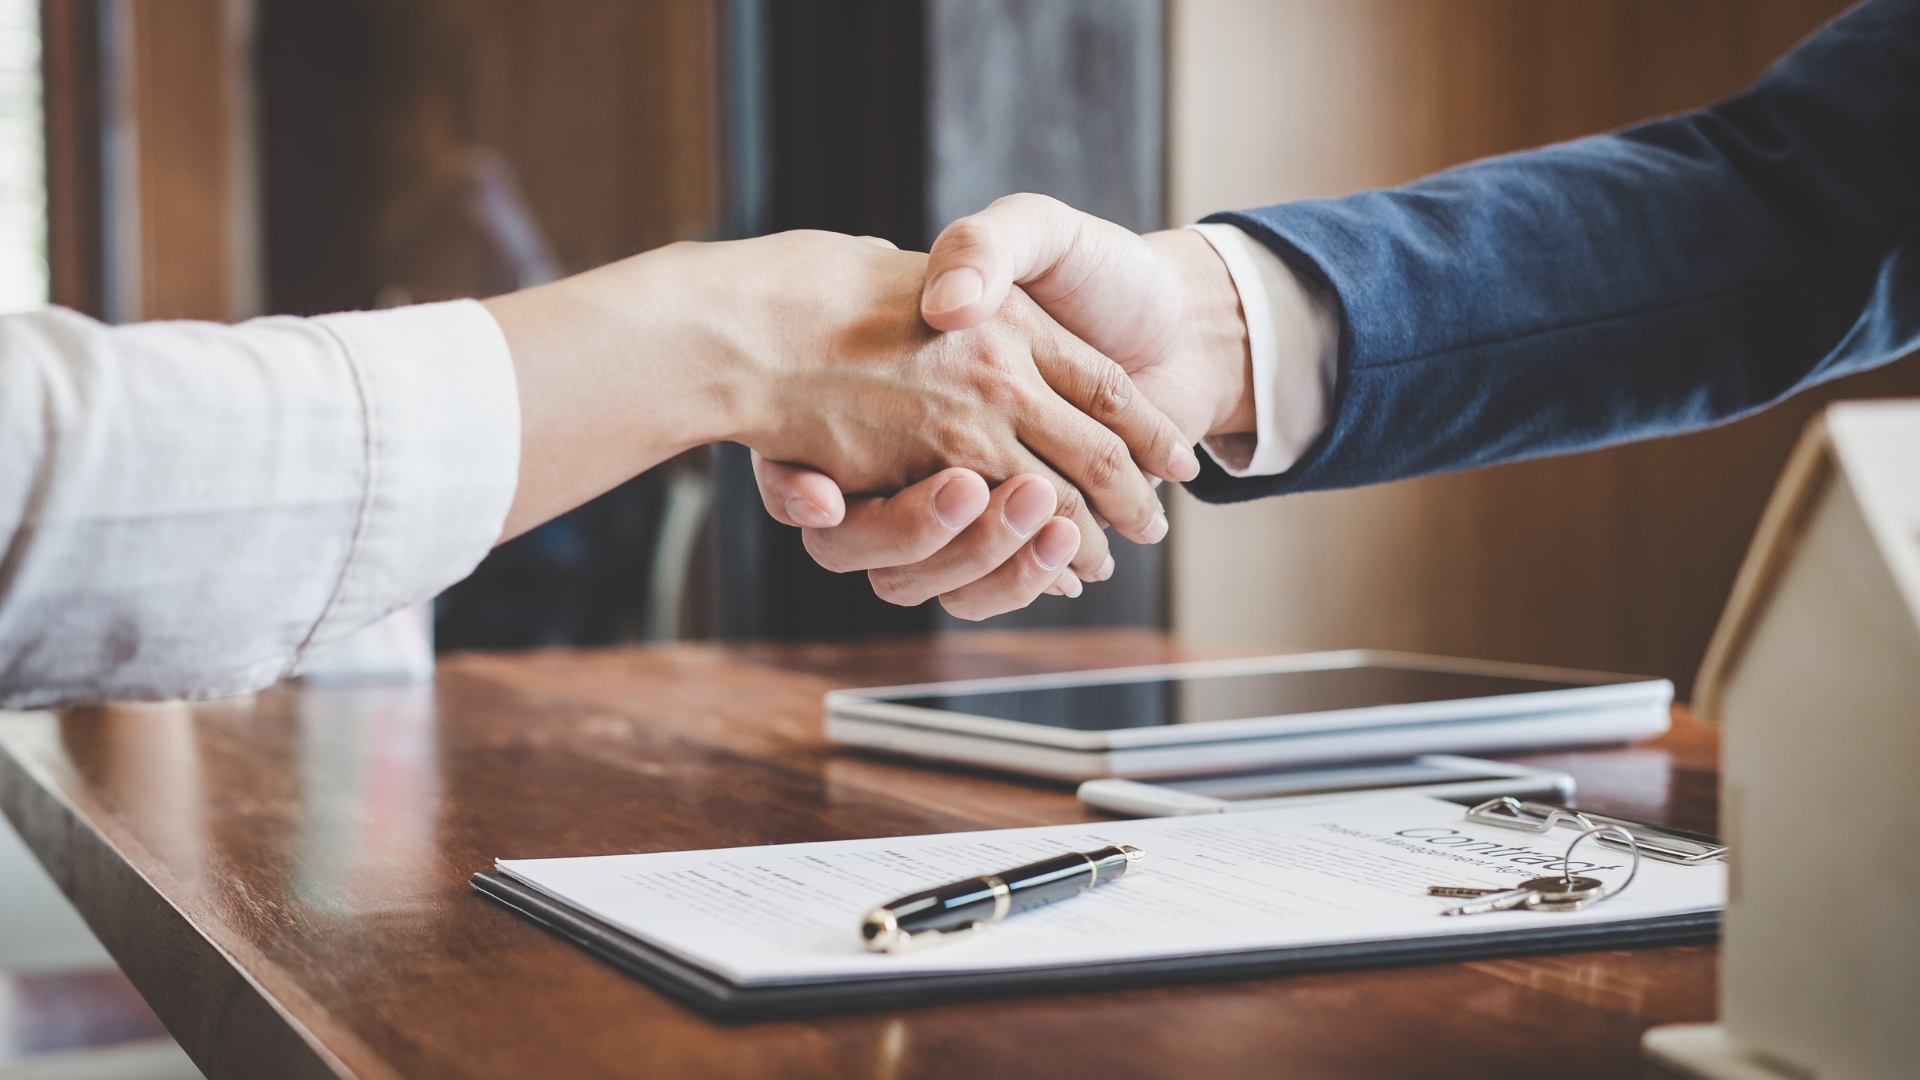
(1873,448)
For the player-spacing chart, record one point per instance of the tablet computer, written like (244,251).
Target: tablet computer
(1238,715)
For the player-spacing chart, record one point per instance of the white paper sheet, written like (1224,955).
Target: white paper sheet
(1328,873)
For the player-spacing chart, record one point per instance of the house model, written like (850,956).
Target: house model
(1815,671)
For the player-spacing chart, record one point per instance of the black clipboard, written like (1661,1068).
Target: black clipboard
(715,996)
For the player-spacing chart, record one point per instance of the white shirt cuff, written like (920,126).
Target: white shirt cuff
(443,455)
(1294,340)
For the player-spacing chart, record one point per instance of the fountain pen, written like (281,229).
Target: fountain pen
(978,902)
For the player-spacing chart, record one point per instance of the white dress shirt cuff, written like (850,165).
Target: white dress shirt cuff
(1294,339)
(442,450)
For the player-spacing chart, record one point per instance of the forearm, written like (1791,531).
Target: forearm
(1665,278)
(189,507)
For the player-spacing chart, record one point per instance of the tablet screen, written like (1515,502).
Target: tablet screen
(1159,702)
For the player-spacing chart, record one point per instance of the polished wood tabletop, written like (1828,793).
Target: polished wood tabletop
(284,878)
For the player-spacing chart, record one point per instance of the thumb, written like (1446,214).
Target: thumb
(1019,239)
(796,495)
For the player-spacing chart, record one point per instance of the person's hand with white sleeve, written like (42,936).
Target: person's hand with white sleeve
(1212,327)
(192,510)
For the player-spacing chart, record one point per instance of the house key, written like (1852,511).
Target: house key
(1556,893)
(1562,892)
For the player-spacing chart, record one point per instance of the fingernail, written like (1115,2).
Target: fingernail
(953,290)
(1054,547)
(805,514)
(956,504)
(1028,508)
(1070,586)
(1183,464)
(1156,529)
(1105,571)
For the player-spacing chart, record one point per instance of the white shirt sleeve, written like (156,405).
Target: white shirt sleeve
(188,509)
(1294,338)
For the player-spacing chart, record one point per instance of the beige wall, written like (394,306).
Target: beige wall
(1616,559)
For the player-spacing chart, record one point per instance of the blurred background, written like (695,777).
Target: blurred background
(219,159)
(225,158)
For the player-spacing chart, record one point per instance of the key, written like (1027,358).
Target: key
(1468,892)
(1536,894)
(1496,901)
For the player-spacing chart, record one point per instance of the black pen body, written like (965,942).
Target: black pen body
(983,900)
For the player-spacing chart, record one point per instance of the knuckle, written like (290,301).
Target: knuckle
(1018,317)
(1072,504)
(1108,464)
(1030,201)
(1000,355)
(960,442)
(1109,394)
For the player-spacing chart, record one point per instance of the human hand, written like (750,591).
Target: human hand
(1162,305)
(809,348)
(892,401)
(981,552)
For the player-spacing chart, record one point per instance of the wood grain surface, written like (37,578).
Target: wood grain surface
(283,877)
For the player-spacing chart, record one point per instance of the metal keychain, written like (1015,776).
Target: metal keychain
(1566,892)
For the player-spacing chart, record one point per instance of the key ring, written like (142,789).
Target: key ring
(1566,861)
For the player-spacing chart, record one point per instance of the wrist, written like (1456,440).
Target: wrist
(1215,329)
(686,336)
(813,322)
(617,370)
(716,316)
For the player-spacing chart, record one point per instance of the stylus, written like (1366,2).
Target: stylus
(975,903)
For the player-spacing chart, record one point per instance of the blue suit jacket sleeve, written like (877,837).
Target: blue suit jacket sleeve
(1666,277)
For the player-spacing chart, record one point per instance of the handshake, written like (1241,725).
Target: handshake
(962,424)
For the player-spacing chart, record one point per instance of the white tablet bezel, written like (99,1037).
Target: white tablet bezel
(1603,693)
(1486,779)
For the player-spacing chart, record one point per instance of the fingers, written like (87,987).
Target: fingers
(1093,554)
(945,533)
(1083,456)
(1100,389)
(1095,278)
(905,528)
(1015,521)
(982,553)
(976,259)
(796,495)
(1016,582)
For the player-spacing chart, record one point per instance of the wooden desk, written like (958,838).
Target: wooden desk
(285,879)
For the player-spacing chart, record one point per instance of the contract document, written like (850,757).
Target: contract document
(1278,889)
